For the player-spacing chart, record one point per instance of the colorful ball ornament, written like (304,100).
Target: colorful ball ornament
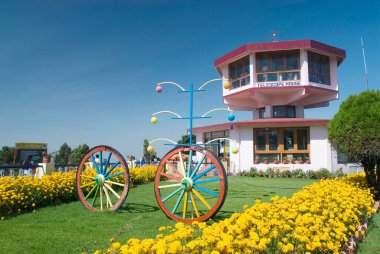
(159,89)
(226,85)
(231,117)
(150,149)
(154,120)
(235,150)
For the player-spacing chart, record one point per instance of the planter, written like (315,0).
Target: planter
(308,162)
(266,162)
(276,162)
(257,162)
(300,162)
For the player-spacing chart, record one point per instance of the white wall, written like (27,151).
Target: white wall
(320,150)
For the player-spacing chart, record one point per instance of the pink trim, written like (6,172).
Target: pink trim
(282,45)
(252,90)
(264,123)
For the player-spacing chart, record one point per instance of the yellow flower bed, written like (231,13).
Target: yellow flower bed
(319,218)
(25,194)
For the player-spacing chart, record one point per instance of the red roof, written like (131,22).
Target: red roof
(282,45)
(265,122)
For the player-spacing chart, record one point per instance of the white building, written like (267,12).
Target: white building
(277,81)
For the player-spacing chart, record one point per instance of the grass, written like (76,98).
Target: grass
(70,228)
(371,243)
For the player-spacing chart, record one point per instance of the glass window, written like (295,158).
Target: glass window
(302,139)
(284,111)
(261,138)
(288,139)
(273,144)
(319,68)
(275,66)
(261,112)
(239,72)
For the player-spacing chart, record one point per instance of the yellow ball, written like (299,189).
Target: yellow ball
(150,149)
(226,85)
(154,120)
(235,150)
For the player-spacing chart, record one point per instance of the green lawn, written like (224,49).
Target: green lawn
(70,228)
(371,243)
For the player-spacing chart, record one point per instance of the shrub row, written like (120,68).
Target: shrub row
(22,193)
(322,173)
(318,219)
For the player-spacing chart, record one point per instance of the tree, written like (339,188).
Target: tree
(6,155)
(355,131)
(148,156)
(62,158)
(185,139)
(78,153)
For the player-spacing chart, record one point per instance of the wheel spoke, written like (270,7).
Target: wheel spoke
(201,198)
(169,185)
(91,191)
(88,184)
(109,203)
(172,194)
(96,195)
(112,190)
(185,205)
(101,162)
(194,205)
(178,201)
(91,177)
(95,164)
(170,177)
(114,175)
(174,169)
(203,173)
(189,163)
(112,168)
(116,183)
(108,162)
(198,166)
(101,198)
(208,180)
(206,191)
(181,166)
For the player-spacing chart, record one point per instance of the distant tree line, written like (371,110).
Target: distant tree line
(66,155)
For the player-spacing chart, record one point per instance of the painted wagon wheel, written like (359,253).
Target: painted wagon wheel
(188,190)
(102,179)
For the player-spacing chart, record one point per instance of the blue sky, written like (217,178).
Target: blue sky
(85,71)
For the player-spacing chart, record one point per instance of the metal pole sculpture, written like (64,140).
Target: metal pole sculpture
(190,182)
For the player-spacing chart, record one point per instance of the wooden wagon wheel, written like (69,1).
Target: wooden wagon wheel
(190,190)
(102,179)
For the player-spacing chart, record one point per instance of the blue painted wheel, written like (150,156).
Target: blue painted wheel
(189,189)
(102,179)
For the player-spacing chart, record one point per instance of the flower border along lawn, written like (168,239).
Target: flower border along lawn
(23,194)
(319,218)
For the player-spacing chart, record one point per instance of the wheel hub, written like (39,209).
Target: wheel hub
(187,183)
(99,179)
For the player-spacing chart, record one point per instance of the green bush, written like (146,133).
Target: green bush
(323,173)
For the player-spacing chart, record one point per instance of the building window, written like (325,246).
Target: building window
(278,66)
(282,144)
(239,72)
(284,111)
(319,68)
(221,148)
(261,113)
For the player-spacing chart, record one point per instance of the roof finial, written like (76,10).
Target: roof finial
(274,36)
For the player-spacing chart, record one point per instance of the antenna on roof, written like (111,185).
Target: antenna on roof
(274,36)
(365,64)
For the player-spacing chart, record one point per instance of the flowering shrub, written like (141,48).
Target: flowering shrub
(25,194)
(321,173)
(319,218)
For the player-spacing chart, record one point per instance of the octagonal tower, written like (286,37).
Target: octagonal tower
(281,79)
